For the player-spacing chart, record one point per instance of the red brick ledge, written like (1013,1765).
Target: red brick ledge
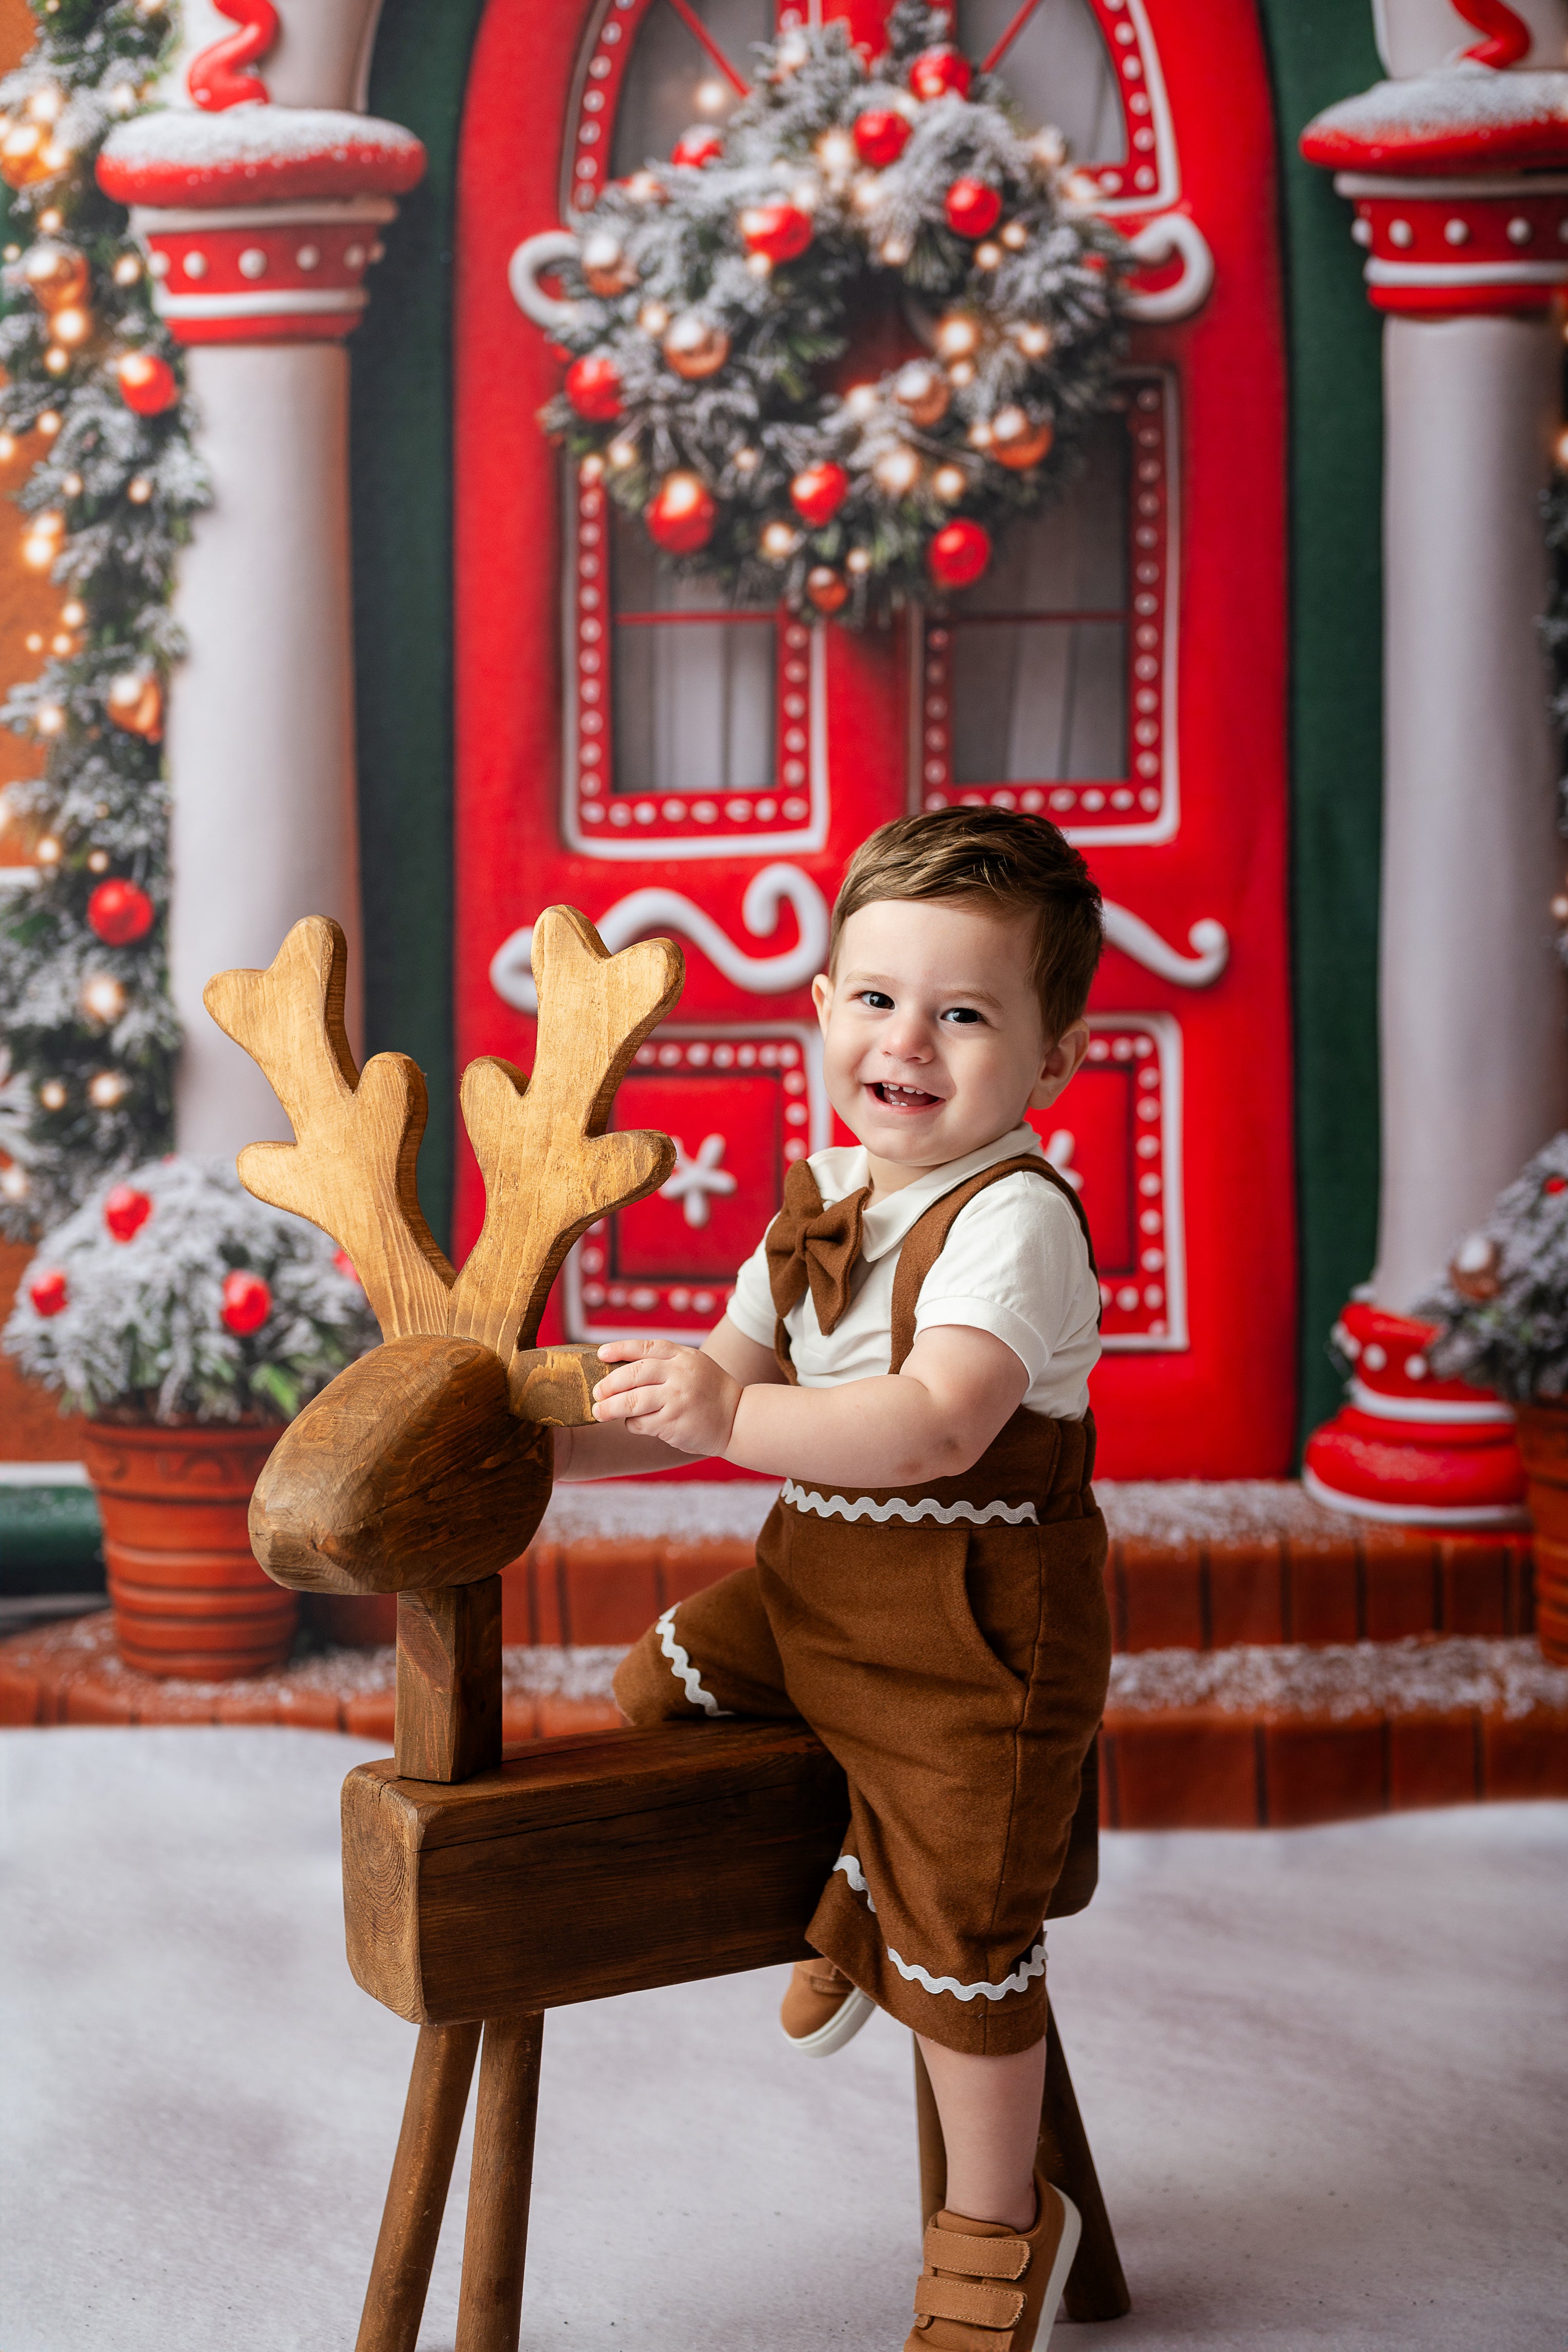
(1261,1736)
(72,1672)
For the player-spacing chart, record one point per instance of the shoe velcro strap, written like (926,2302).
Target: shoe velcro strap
(954,2249)
(968,2301)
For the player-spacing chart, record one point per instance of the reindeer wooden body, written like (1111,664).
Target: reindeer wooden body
(477,1893)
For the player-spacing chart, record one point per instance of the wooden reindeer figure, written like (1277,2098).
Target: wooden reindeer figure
(478,1892)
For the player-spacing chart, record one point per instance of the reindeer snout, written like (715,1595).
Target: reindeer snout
(408,1472)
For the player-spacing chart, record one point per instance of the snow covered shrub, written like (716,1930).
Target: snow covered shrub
(1503,1306)
(173,1296)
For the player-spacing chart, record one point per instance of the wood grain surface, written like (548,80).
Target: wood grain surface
(422,2174)
(410,1471)
(351,1168)
(599,1865)
(447,1723)
(496,2242)
(549,1168)
(556,1384)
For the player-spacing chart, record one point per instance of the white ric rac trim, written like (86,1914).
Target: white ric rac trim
(945,1515)
(682,1667)
(912,1973)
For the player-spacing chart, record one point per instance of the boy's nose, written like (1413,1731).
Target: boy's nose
(907,1040)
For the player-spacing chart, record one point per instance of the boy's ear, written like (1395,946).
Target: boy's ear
(1063,1062)
(822,996)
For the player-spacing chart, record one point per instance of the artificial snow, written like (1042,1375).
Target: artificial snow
(1323,2073)
(1465,101)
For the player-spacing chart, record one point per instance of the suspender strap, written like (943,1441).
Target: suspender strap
(923,1243)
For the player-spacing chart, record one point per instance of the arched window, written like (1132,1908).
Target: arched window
(1058,68)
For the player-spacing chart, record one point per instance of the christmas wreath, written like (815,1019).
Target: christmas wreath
(706,294)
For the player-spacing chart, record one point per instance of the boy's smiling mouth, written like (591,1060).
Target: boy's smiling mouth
(903,1098)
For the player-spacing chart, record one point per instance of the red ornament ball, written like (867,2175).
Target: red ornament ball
(817,492)
(247,1303)
(699,145)
(120,912)
(959,553)
(881,134)
(972,207)
(680,514)
(782,232)
(147,383)
(1555,1184)
(593,388)
(47,1292)
(126,1211)
(937,71)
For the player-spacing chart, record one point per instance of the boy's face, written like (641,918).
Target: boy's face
(933,1039)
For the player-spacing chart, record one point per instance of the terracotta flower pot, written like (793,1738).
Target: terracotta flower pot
(189,1599)
(1543,1442)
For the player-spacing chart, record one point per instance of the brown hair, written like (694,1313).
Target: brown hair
(1017,865)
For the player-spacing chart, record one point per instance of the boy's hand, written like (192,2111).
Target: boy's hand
(660,1389)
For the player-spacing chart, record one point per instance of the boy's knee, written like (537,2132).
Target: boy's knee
(644,1690)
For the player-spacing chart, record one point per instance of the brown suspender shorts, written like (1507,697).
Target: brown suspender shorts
(950,1646)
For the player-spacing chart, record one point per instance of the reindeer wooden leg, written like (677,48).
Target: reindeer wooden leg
(490,2311)
(421,2170)
(1095,2288)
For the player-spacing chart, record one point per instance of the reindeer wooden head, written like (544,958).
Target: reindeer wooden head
(424,1467)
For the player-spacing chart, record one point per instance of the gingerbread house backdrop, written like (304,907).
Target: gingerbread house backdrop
(1272,662)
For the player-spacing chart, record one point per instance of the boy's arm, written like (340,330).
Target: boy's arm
(932,1419)
(614,1450)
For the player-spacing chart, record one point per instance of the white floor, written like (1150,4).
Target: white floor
(1323,2074)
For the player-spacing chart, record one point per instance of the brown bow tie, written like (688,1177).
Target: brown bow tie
(809,1244)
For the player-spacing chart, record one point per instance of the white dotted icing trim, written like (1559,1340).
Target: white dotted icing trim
(682,1667)
(944,1515)
(912,1973)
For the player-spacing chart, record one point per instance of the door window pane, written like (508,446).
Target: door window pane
(693,682)
(1040,644)
(659,98)
(1058,69)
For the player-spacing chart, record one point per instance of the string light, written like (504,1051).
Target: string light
(34,641)
(73,615)
(71,485)
(49,718)
(71,325)
(711,96)
(52,222)
(56,359)
(127,269)
(105,1089)
(102,998)
(63,643)
(98,861)
(52,1094)
(47,851)
(139,490)
(14,1184)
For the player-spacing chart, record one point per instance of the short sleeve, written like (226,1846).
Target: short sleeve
(1015,1263)
(750,1308)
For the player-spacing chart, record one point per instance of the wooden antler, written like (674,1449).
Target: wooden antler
(350,1168)
(549,1168)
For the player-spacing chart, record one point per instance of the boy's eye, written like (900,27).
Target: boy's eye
(961,1013)
(876,1000)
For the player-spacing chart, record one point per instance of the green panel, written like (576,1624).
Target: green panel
(401,474)
(50,1541)
(1321,50)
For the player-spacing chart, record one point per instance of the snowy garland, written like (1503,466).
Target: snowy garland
(1503,1306)
(176,1296)
(898,197)
(93,380)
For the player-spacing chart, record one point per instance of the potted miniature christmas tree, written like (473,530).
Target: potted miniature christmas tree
(1503,1314)
(189,1322)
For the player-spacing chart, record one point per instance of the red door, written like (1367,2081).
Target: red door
(628,745)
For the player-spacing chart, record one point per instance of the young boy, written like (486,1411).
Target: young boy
(907,1350)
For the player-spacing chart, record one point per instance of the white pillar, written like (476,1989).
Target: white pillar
(260,197)
(261,735)
(1474,1050)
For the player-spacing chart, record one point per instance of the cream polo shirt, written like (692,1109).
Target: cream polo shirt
(1014,1264)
